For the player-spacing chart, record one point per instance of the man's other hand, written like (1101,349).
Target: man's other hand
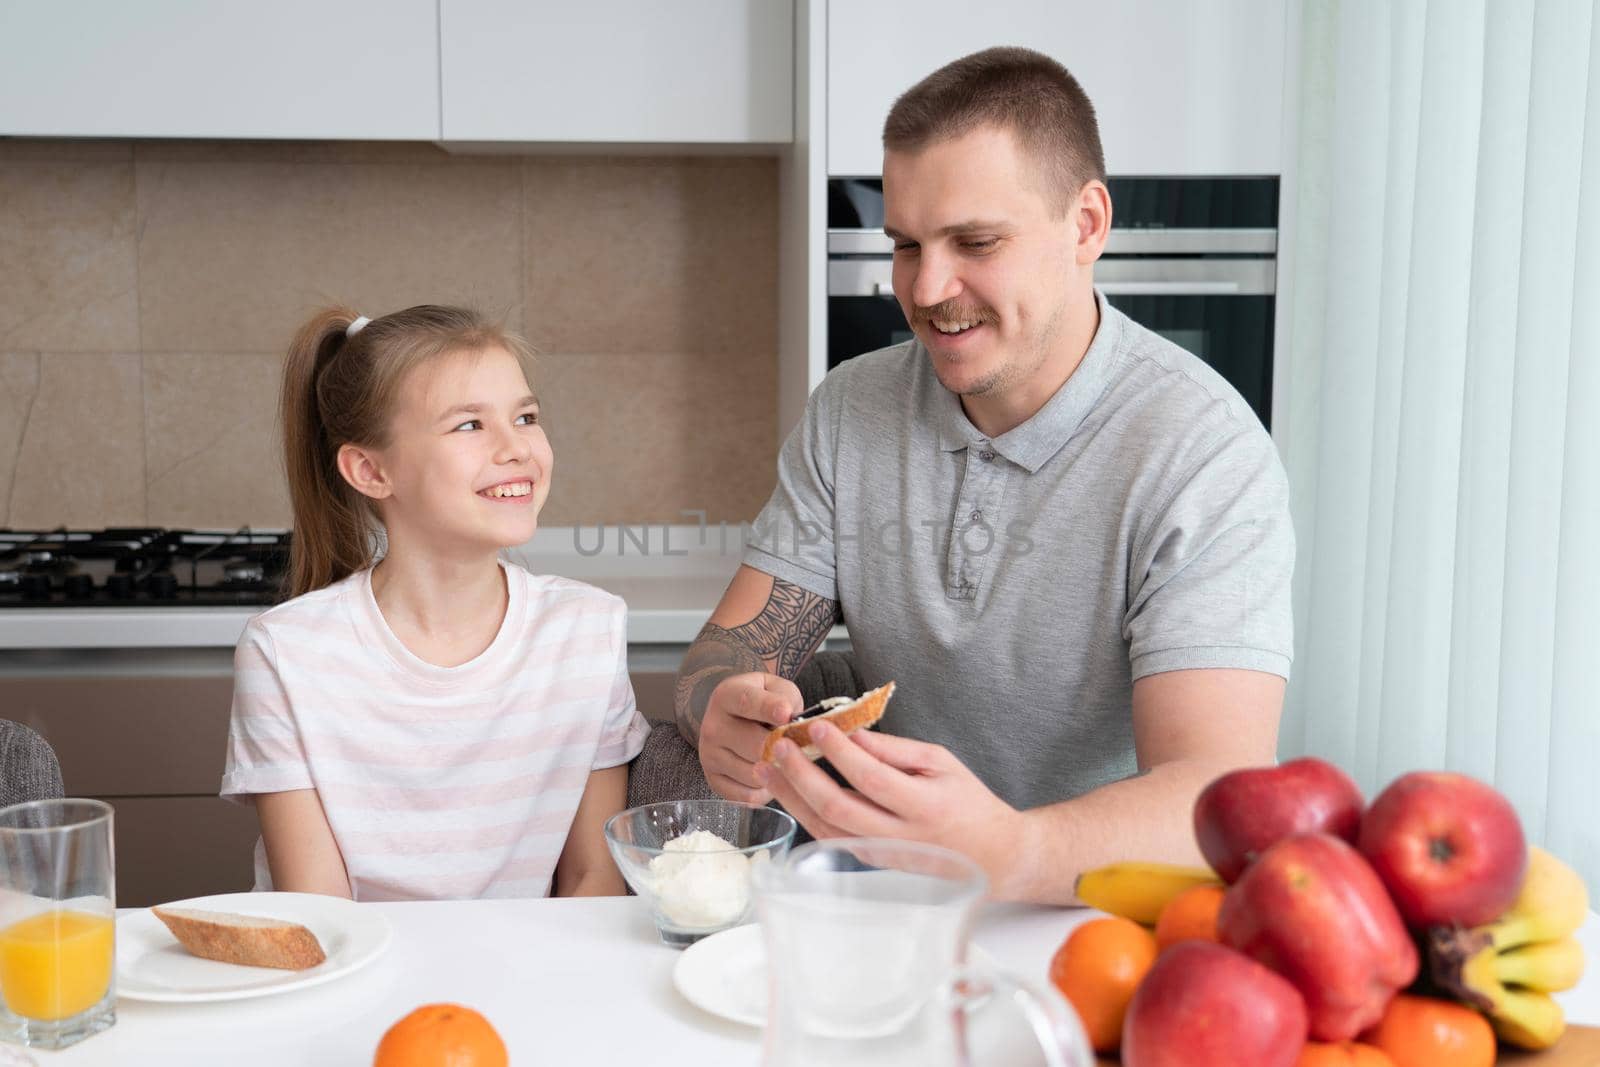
(904,789)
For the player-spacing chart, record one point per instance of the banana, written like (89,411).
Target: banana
(1529,1020)
(1466,966)
(1466,963)
(1462,963)
(1552,904)
(1138,890)
(1544,966)
(1508,968)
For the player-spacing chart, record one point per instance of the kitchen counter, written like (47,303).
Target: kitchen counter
(670,576)
(662,609)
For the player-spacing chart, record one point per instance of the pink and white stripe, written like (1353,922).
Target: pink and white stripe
(438,782)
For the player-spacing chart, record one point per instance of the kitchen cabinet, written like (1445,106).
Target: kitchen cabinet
(174,848)
(1191,87)
(617,71)
(356,69)
(151,746)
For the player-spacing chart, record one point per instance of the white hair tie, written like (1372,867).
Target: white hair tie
(355,327)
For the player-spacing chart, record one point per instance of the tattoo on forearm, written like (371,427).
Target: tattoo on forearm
(780,639)
(716,654)
(789,628)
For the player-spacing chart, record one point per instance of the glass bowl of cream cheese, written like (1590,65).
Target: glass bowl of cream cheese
(690,860)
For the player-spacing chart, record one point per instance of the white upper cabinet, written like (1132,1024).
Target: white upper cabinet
(1179,86)
(351,69)
(620,71)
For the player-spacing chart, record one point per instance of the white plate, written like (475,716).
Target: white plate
(151,965)
(726,973)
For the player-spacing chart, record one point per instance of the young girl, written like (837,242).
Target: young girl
(432,722)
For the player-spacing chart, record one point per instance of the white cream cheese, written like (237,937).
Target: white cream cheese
(701,881)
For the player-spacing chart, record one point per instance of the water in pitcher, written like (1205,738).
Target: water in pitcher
(866,955)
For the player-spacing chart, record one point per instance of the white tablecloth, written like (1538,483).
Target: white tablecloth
(564,981)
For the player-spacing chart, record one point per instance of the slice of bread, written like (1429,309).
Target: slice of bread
(860,714)
(246,939)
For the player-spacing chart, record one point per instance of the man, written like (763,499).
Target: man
(1066,539)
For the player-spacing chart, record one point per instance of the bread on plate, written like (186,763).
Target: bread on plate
(250,940)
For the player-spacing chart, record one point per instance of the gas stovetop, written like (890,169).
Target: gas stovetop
(141,567)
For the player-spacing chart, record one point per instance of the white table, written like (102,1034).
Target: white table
(564,981)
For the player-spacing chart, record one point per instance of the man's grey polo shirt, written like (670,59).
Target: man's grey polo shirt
(1015,588)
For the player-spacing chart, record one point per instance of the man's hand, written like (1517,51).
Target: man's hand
(742,710)
(904,789)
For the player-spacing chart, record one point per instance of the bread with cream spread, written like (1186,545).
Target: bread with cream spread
(859,714)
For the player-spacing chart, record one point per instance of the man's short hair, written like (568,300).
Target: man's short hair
(1018,89)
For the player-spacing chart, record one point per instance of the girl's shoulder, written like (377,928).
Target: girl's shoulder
(554,589)
(308,610)
(567,607)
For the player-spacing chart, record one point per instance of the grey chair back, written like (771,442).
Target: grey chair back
(28,766)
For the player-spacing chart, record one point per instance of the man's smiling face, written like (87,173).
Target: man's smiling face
(983,258)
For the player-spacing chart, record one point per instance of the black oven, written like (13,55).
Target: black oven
(1194,259)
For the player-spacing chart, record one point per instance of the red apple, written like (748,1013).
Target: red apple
(1204,1005)
(1312,910)
(1449,848)
(1242,814)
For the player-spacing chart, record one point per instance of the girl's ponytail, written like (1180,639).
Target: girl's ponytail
(341,386)
(333,531)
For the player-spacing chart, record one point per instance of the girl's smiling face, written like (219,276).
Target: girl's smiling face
(466,466)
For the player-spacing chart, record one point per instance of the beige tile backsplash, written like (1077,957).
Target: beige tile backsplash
(232,256)
(147,290)
(19,384)
(218,458)
(80,458)
(680,431)
(652,256)
(67,257)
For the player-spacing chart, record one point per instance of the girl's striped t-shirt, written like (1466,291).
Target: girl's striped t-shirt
(438,782)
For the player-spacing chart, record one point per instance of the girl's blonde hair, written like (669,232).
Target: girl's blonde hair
(340,390)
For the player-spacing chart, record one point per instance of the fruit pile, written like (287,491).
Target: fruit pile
(1408,933)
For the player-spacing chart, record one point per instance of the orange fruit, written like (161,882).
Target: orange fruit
(1425,1031)
(1097,968)
(1342,1054)
(442,1035)
(1190,914)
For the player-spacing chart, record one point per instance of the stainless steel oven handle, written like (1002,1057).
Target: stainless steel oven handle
(1116,277)
(861,277)
(1157,242)
(1169,288)
(1186,277)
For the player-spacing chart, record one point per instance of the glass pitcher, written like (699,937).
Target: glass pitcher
(866,943)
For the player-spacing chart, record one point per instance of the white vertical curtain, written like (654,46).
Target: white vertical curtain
(1441,413)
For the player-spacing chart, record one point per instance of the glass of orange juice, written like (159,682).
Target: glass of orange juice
(57,922)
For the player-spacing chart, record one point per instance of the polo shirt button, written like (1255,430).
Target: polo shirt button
(976,516)
(986,456)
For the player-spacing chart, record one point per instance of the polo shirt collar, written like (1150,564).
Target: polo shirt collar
(1031,444)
